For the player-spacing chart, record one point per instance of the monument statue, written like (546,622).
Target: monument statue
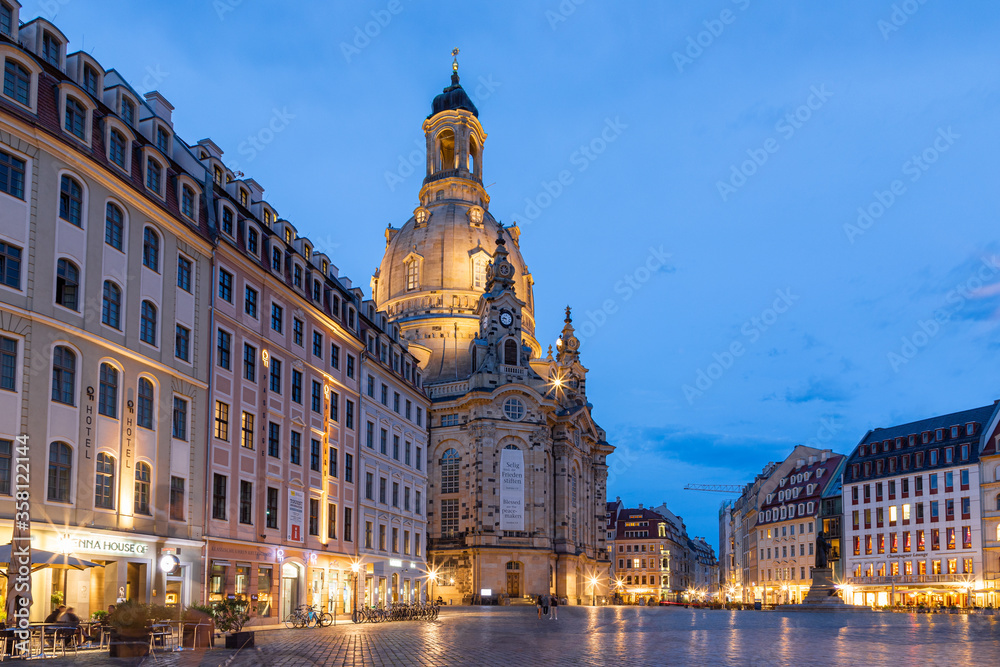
(822,550)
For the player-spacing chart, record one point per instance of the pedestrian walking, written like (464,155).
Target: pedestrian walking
(538,604)
(555,607)
(545,605)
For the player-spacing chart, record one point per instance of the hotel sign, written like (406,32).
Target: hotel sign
(106,545)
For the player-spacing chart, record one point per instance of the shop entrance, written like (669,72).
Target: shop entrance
(174,588)
(290,575)
(513,579)
(135,582)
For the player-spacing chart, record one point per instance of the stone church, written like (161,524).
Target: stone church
(516,465)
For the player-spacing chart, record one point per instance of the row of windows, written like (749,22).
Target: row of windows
(383,496)
(901,542)
(897,512)
(925,438)
(786,530)
(640,563)
(785,551)
(892,463)
(246,498)
(394,545)
(400,407)
(60,476)
(950,566)
(948,477)
(407,449)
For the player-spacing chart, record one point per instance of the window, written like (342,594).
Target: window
(117,147)
(395,494)
(349,468)
(276,259)
(406,458)
(383,440)
(369,486)
(227,221)
(187,201)
(71,201)
(222,421)
(252,241)
(317,397)
(76,119)
(225,285)
(128,111)
(107,396)
(11,175)
(275,376)
(90,80)
(10,265)
(297,386)
(182,343)
(333,458)
(297,276)
(142,480)
(317,344)
(246,502)
(114,229)
(184,273)
(151,249)
(295,448)
(224,349)
(395,447)
(314,516)
(249,362)
(334,406)
(335,356)
(247,430)
(449,471)
(370,435)
(348,533)
(406,499)
(16,80)
(179,430)
(277,314)
(67,284)
(162,139)
(382,482)
(104,484)
(395,402)
(250,302)
(8,363)
(6,18)
(349,413)
(412,275)
(420,458)
(331,522)
(219,497)
(417,506)
(244,199)
(449,518)
(50,49)
(60,471)
(314,454)
(350,367)
(63,375)
(271,513)
(147,323)
(154,175)
(273,440)
(144,404)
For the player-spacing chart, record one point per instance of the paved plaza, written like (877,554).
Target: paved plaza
(633,636)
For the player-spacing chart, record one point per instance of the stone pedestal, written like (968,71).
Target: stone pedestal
(822,595)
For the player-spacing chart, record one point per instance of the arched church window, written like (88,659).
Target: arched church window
(412,275)
(513,409)
(514,447)
(479,272)
(473,156)
(446,150)
(510,352)
(449,471)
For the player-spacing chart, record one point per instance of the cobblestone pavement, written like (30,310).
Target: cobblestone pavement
(632,636)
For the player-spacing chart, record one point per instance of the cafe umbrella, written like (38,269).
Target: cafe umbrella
(41,559)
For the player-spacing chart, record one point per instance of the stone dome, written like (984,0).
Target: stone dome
(453,98)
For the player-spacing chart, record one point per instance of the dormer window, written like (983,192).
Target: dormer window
(970,429)
(227,221)
(50,48)
(116,148)
(244,198)
(217,175)
(926,437)
(297,276)
(326,267)
(954,431)
(421,214)
(267,217)
(308,252)
(288,236)
(128,111)
(154,175)
(90,80)
(912,440)
(479,263)
(187,201)
(252,240)
(76,118)
(939,435)
(412,275)
(17,83)
(162,140)
(6,19)
(317,291)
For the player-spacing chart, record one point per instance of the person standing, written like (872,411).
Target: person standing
(538,604)
(555,607)
(545,605)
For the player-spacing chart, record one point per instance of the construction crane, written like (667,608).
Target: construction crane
(731,489)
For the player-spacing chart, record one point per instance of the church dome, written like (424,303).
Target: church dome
(453,98)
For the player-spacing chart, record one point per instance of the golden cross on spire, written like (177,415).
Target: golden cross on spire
(454,62)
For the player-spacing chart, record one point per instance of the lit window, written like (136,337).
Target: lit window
(412,275)
(142,479)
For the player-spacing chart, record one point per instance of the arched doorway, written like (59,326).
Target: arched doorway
(513,579)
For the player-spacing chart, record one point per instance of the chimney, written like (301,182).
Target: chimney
(812,459)
(640,505)
(799,463)
(160,106)
(824,456)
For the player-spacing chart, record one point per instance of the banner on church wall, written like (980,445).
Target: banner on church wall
(511,489)
(296,514)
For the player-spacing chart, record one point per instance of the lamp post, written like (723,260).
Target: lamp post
(355,569)
(593,590)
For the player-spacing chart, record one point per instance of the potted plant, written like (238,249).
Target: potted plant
(130,626)
(230,616)
(203,614)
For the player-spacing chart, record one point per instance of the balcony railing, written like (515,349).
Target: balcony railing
(449,389)
(515,371)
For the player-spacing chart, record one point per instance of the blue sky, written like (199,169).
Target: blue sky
(733,299)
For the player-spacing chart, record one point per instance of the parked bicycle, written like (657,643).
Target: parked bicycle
(308,616)
(397,611)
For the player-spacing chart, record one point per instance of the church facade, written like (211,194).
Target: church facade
(516,465)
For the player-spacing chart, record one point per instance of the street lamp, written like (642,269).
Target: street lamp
(593,590)
(432,575)
(355,570)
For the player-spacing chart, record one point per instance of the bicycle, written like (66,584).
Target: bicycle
(308,616)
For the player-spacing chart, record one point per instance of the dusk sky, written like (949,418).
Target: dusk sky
(776,222)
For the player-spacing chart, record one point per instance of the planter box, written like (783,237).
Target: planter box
(239,640)
(128,647)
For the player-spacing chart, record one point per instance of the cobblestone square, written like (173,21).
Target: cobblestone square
(634,636)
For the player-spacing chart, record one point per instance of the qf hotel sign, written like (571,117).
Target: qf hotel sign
(108,546)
